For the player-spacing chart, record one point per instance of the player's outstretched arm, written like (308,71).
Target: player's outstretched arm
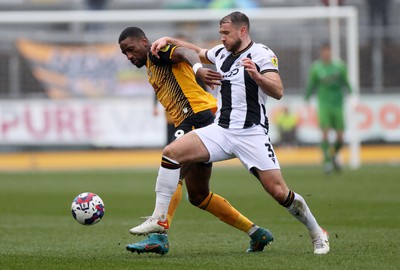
(208,76)
(164,41)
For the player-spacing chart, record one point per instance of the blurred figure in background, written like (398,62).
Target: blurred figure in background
(95,5)
(286,121)
(378,11)
(329,79)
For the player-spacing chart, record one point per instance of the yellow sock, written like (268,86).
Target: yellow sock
(222,209)
(175,200)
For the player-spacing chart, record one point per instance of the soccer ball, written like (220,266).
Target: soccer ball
(87,208)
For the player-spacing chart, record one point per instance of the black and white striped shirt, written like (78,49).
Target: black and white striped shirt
(241,102)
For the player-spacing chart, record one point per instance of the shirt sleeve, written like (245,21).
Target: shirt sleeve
(345,78)
(311,82)
(212,53)
(165,55)
(267,60)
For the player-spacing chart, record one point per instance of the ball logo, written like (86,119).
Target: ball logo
(87,208)
(84,206)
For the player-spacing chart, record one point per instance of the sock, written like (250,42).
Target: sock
(175,200)
(222,209)
(325,150)
(167,182)
(297,207)
(337,146)
(252,230)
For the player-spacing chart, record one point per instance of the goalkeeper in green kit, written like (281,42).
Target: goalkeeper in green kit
(329,79)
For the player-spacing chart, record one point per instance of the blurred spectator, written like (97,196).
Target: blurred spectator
(286,121)
(95,5)
(378,11)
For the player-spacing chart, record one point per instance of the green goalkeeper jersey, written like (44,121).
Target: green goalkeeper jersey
(330,81)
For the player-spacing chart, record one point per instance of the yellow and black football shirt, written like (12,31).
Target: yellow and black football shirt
(175,86)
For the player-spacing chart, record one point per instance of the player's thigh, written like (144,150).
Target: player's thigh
(187,149)
(218,141)
(338,119)
(254,149)
(324,118)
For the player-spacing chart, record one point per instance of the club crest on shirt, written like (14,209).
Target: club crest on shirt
(274,60)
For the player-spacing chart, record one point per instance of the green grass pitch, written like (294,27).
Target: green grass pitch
(358,208)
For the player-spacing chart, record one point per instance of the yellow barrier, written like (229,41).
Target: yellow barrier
(126,159)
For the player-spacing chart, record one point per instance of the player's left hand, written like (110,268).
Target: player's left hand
(157,45)
(209,77)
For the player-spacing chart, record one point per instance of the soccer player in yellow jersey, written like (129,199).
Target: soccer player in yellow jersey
(172,76)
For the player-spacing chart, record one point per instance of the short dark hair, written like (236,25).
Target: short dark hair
(236,18)
(131,31)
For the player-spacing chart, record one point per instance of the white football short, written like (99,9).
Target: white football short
(251,146)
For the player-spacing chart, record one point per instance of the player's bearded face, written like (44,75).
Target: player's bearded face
(229,37)
(234,46)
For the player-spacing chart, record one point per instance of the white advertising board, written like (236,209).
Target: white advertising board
(100,122)
(131,122)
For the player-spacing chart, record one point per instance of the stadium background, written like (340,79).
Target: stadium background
(68,99)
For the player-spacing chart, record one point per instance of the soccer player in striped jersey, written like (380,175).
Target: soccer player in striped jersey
(174,82)
(249,76)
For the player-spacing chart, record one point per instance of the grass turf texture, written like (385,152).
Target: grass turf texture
(358,208)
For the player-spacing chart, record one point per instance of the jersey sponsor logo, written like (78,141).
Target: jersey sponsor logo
(274,60)
(231,73)
(164,49)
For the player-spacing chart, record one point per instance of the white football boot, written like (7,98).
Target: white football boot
(321,243)
(151,225)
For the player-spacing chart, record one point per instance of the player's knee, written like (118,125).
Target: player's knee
(280,196)
(169,152)
(197,198)
(278,191)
